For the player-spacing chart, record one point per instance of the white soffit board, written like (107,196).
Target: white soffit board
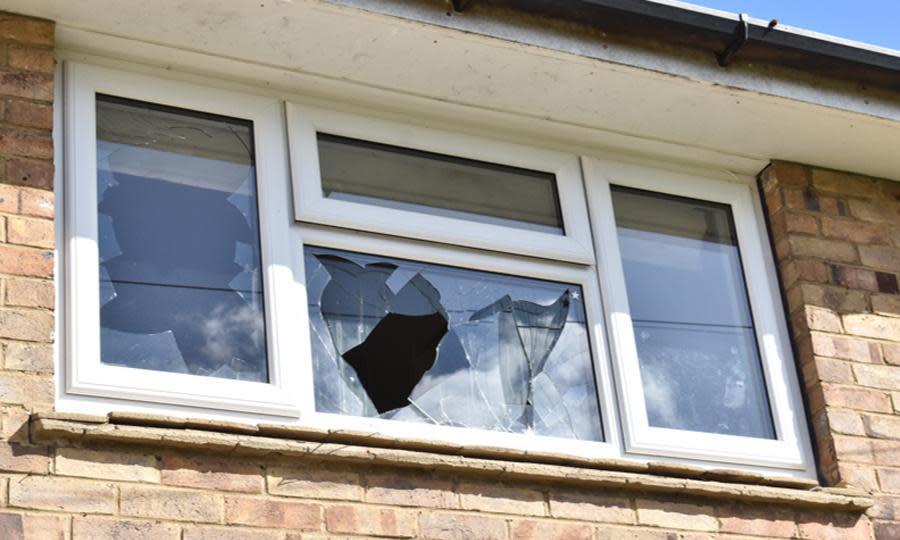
(381,62)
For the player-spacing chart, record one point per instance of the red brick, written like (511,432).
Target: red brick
(494,497)
(25,389)
(161,503)
(28,85)
(889,479)
(859,232)
(590,506)
(886,531)
(91,528)
(30,232)
(886,507)
(30,58)
(872,326)
(886,452)
(211,473)
(445,526)
(314,483)
(260,512)
(411,489)
(26,325)
(24,459)
(549,530)
(676,515)
(229,533)
(26,30)
(31,173)
(833,526)
(785,174)
(862,399)
(845,348)
(757,521)
(29,114)
(369,521)
(880,257)
(823,320)
(9,199)
(844,183)
(29,293)
(36,202)
(832,250)
(800,223)
(25,261)
(854,278)
(33,527)
(875,211)
(886,377)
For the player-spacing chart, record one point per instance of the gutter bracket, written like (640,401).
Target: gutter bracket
(741,36)
(459,5)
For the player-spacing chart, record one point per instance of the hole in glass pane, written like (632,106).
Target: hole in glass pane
(428,343)
(700,366)
(401,178)
(180,282)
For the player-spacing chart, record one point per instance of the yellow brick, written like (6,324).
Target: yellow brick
(106,465)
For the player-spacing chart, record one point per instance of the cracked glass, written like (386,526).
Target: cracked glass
(178,237)
(418,342)
(438,184)
(700,366)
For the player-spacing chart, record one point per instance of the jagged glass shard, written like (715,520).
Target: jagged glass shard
(146,351)
(107,289)
(539,328)
(550,414)
(417,297)
(354,300)
(453,347)
(569,367)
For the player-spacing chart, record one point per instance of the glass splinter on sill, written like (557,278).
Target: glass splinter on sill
(450,347)
(180,282)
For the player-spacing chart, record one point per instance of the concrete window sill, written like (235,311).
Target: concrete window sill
(318,445)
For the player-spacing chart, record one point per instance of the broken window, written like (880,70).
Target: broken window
(178,235)
(421,342)
(699,362)
(437,184)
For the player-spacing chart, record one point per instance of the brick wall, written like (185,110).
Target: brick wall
(837,238)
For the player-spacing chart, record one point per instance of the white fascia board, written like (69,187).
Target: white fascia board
(430,74)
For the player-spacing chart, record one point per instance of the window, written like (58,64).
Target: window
(415,282)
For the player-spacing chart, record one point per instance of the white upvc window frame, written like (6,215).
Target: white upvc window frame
(294,212)
(312,206)
(84,373)
(790,449)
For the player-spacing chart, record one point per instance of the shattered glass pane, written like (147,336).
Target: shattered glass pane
(437,184)
(427,343)
(700,367)
(180,283)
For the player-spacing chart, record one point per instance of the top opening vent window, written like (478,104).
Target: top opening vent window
(401,178)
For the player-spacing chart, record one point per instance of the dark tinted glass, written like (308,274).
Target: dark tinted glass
(437,184)
(180,283)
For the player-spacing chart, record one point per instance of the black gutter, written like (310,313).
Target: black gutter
(725,27)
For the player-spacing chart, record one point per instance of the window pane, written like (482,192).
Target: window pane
(699,362)
(427,343)
(436,184)
(180,284)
